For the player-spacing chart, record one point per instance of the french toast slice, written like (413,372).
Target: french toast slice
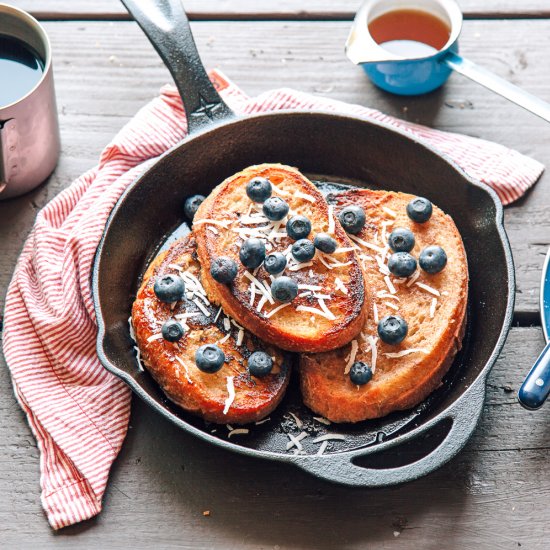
(434,307)
(173,366)
(320,318)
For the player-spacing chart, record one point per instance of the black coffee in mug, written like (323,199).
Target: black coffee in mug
(21,69)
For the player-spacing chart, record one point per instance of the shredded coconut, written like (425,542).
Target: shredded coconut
(432,307)
(340,285)
(375,313)
(231,392)
(238,431)
(224,339)
(322,448)
(200,305)
(429,289)
(240,337)
(384,294)
(366,244)
(374,353)
(276,310)
(304,196)
(297,267)
(182,363)
(295,441)
(154,337)
(413,278)
(389,284)
(404,352)
(352,355)
(330,219)
(224,224)
(389,211)
(330,316)
(329,437)
(299,423)
(392,306)
(322,420)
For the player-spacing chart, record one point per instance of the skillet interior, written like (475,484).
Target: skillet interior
(330,147)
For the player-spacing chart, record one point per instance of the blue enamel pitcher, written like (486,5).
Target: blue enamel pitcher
(414,75)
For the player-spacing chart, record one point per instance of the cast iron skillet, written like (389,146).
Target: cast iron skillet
(329,147)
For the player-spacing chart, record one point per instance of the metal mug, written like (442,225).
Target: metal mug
(29,128)
(418,75)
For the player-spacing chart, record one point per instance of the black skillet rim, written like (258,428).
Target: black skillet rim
(298,459)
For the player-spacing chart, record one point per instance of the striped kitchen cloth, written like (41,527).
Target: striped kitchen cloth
(77,411)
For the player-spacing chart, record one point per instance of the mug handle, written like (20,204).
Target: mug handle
(498,85)
(5,129)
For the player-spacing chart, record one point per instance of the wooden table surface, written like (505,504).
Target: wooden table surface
(495,494)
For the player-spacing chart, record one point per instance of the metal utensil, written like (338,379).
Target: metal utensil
(536,387)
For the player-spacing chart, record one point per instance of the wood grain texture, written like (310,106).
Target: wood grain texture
(494,494)
(268,9)
(106,71)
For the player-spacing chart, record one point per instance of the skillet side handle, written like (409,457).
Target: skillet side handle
(166,25)
(340,468)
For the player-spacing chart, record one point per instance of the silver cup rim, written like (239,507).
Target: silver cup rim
(33,23)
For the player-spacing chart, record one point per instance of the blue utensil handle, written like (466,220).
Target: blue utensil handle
(502,87)
(536,387)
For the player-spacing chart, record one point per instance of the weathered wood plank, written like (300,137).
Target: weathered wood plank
(106,71)
(493,495)
(272,9)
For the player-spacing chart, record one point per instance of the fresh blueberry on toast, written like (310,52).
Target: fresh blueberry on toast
(269,209)
(198,355)
(417,324)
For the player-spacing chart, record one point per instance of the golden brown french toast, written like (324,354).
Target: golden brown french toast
(230,395)
(433,305)
(321,317)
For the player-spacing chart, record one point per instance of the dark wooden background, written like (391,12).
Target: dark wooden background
(495,494)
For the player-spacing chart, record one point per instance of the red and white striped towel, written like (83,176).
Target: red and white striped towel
(77,410)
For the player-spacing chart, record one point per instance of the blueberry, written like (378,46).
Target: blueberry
(298,227)
(401,264)
(401,240)
(260,364)
(360,373)
(258,189)
(209,358)
(303,250)
(325,243)
(191,205)
(275,209)
(169,288)
(284,289)
(419,210)
(223,269)
(252,253)
(392,329)
(172,331)
(352,219)
(275,263)
(432,259)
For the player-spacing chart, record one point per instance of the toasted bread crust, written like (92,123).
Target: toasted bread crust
(288,328)
(398,383)
(173,366)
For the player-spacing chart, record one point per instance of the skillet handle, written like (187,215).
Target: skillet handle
(166,25)
(340,468)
